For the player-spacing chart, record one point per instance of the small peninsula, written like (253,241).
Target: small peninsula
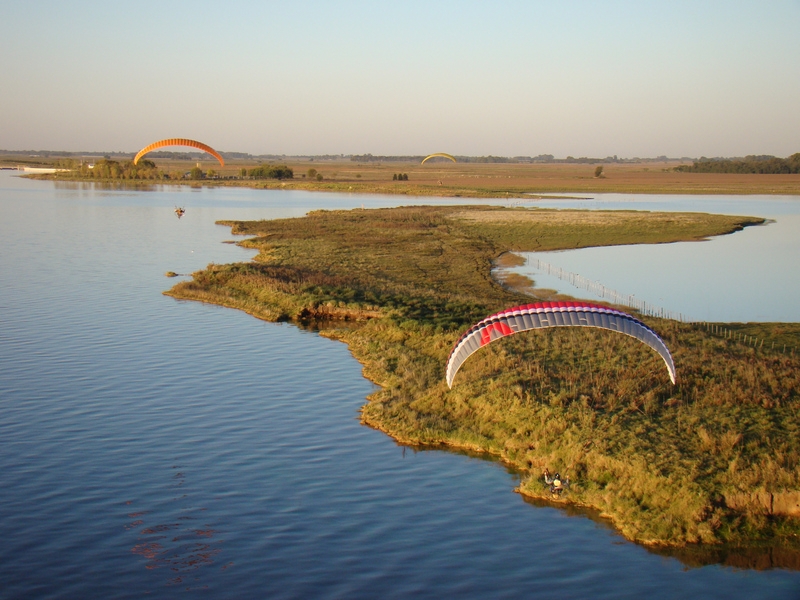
(713,459)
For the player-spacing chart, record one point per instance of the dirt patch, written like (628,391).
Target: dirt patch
(577,217)
(781,503)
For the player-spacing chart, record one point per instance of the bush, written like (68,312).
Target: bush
(272,172)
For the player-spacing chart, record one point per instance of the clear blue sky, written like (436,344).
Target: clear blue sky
(681,78)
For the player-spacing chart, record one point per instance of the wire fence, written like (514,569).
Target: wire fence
(607,293)
(748,340)
(652,310)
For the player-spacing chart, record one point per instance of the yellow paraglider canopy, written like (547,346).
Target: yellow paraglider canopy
(442,154)
(180,142)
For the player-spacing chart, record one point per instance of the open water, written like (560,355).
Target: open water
(750,276)
(151,447)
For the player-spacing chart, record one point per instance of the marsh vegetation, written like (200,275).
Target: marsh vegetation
(715,458)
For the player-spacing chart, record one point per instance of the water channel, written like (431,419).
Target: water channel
(153,447)
(751,276)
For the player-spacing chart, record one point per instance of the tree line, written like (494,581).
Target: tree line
(769,165)
(146,169)
(111,169)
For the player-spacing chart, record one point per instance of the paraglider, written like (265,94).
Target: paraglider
(441,154)
(180,142)
(553,314)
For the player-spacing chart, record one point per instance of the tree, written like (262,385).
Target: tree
(271,172)
(598,172)
(312,173)
(196,173)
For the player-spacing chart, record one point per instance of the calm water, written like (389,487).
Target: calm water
(150,446)
(749,276)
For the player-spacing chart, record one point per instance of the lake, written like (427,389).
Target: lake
(151,446)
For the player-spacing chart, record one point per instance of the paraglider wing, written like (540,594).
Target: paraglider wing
(180,142)
(552,314)
(442,154)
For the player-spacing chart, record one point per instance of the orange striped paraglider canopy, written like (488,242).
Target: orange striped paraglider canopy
(180,142)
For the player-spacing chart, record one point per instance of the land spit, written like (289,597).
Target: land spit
(667,465)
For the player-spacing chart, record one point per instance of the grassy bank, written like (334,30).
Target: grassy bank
(712,459)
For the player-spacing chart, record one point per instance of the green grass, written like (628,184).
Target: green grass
(665,464)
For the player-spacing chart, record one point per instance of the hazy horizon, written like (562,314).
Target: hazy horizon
(519,78)
(234,154)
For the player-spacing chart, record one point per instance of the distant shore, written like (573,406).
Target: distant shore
(478,180)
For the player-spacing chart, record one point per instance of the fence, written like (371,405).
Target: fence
(607,293)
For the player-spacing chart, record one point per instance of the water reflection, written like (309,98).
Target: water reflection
(750,558)
(107,186)
(693,556)
(176,537)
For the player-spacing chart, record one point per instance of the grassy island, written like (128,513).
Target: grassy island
(713,459)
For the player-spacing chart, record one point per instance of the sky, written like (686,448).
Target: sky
(506,78)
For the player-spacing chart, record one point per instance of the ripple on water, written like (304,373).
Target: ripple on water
(150,445)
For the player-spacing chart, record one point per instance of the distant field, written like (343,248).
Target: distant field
(497,179)
(487,180)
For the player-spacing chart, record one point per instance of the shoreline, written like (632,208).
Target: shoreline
(531,486)
(756,555)
(489,181)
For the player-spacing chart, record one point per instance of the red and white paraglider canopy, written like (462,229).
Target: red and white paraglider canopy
(553,314)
